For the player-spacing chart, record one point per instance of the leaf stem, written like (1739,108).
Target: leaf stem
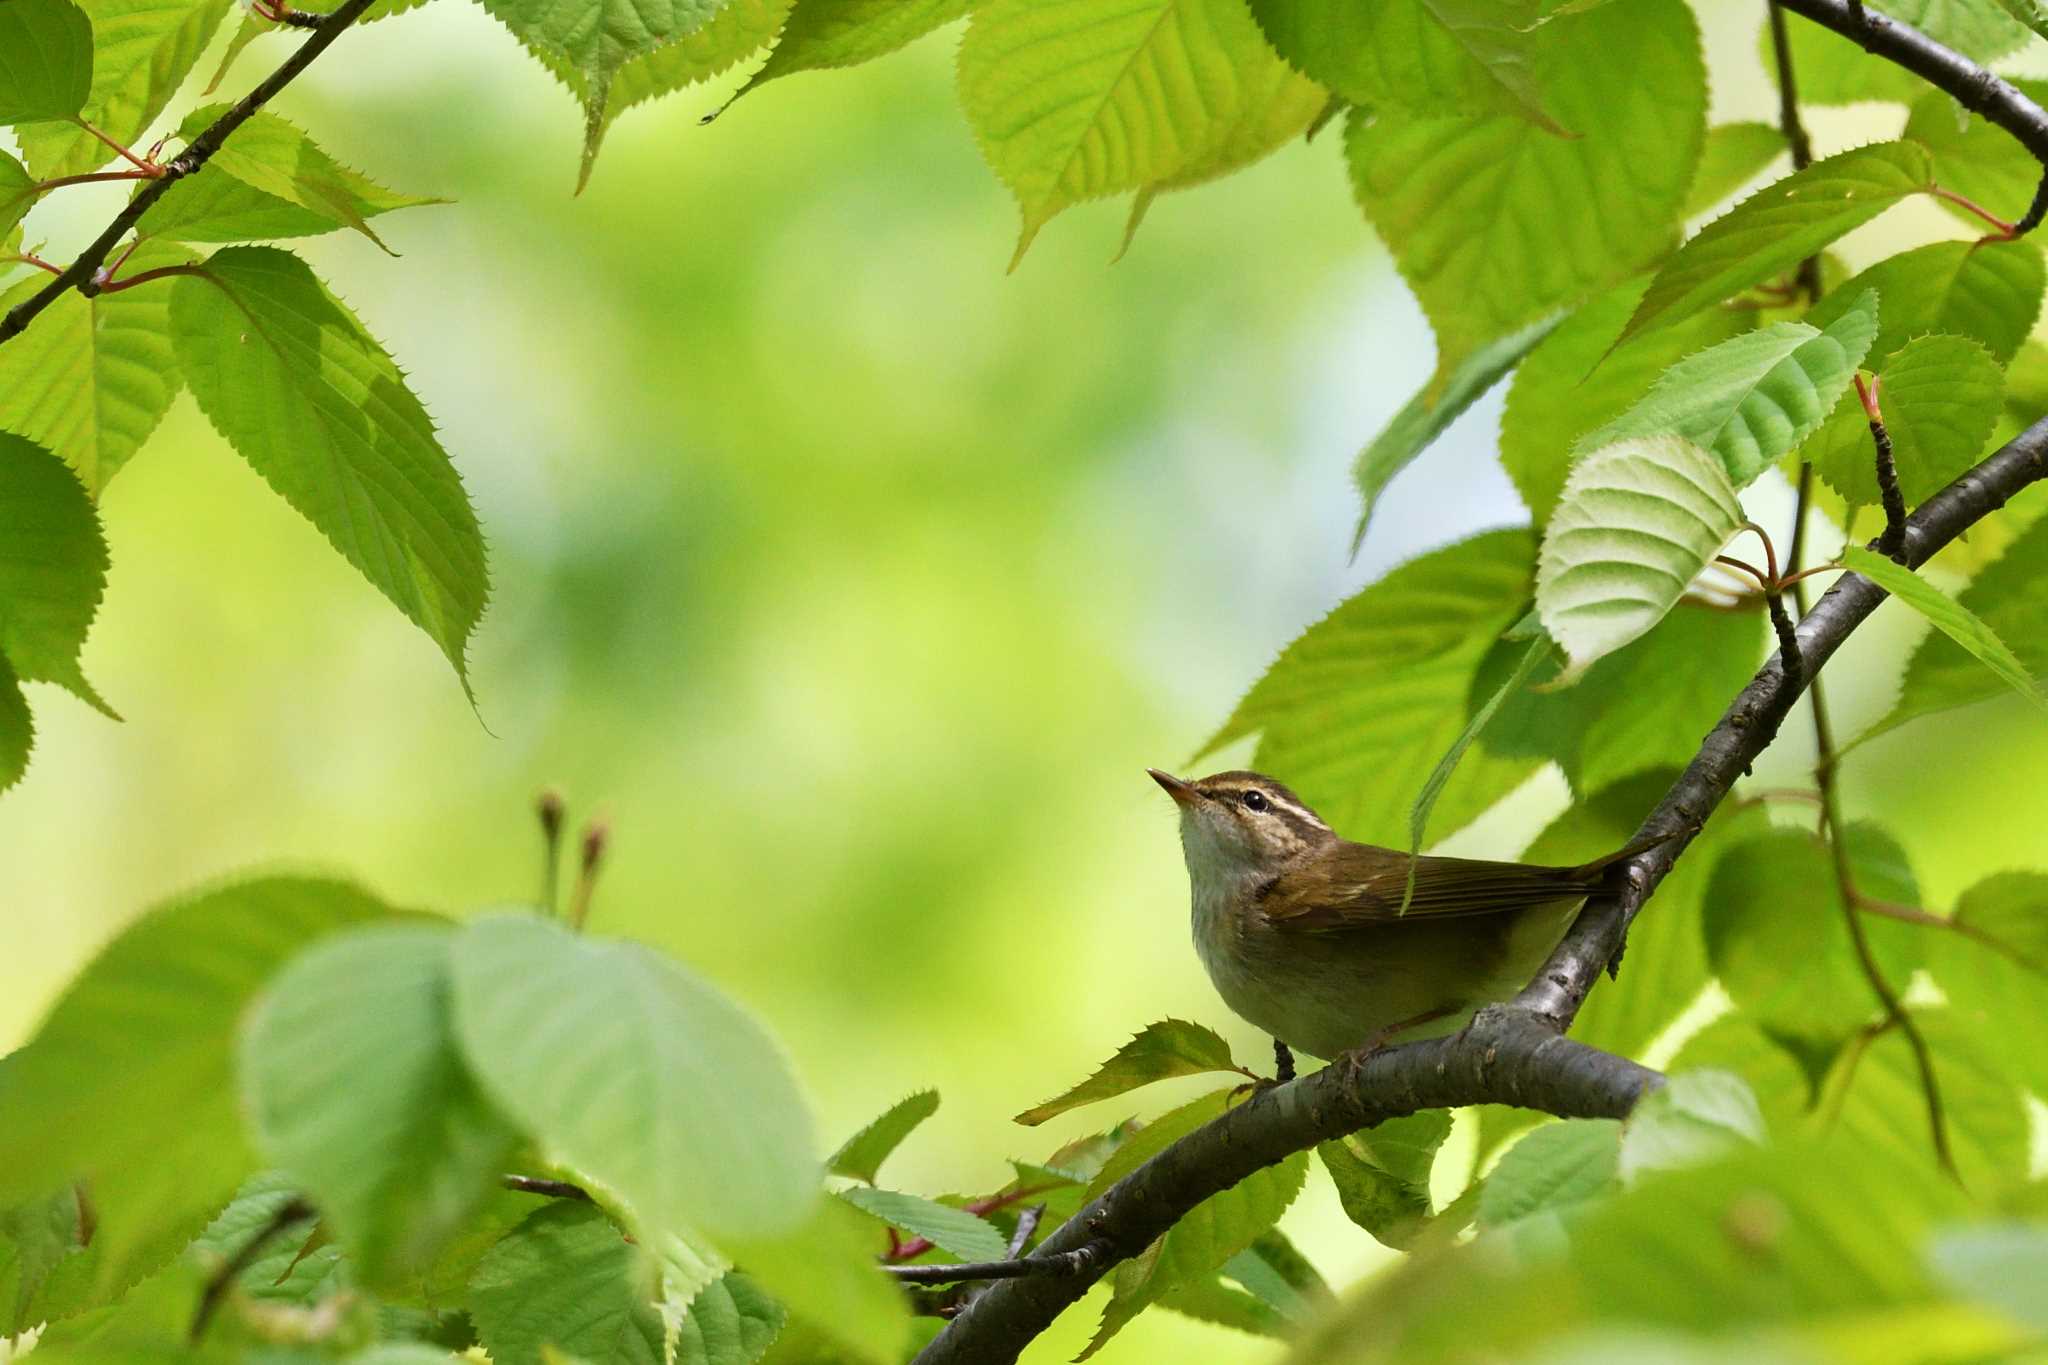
(161,272)
(93,178)
(150,169)
(2004,231)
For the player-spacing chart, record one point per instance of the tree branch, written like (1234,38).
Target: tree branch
(1510,1054)
(83,274)
(1973,86)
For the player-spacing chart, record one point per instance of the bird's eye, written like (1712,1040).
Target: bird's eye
(1254,800)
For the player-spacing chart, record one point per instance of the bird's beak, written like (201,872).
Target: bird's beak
(1182,793)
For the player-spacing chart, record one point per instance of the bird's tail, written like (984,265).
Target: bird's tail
(1599,865)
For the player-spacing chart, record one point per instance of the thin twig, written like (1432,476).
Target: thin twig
(1794,129)
(80,273)
(1027,1223)
(914,1247)
(547,1189)
(1052,1263)
(292,1211)
(1970,83)
(1892,542)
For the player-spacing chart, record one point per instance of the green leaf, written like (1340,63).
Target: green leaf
(1733,156)
(354,1084)
(1156,1136)
(1987,291)
(1533,656)
(822,34)
(17,729)
(275,159)
(130,1081)
(739,29)
(1169,1048)
(1558,395)
(1074,99)
(612,1056)
(17,195)
(1215,1301)
(1779,226)
(1624,78)
(1638,519)
(1974,157)
(1769,1240)
(288,375)
(300,1266)
(142,52)
(862,1155)
(1994,971)
(1428,413)
(966,1235)
(93,378)
(1756,396)
(1418,56)
(213,206)
(1552,1169)
(2010,597)
(1950,617)
(1940,396)
(45,60)
(1273,107)
(588,44)
(1204,1239)
(824,1273)
(1693,1118)
(731,1321)
(36,1239)
(1382,1174)
(1355,713)
(1884,1108)
(567,1278)
(1642,707)
(1776,934)
(53,566)
(1273,1271)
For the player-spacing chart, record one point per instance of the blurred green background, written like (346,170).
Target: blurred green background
(854,579)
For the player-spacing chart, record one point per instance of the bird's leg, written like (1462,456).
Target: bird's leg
(1283,1063)
(1377,1039)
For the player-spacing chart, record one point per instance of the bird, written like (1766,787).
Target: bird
(1305,934)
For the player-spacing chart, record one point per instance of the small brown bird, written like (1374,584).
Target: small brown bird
(1304,934)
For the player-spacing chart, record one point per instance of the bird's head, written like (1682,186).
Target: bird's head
(1241,822)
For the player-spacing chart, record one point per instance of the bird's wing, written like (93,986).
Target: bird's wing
(1366,884)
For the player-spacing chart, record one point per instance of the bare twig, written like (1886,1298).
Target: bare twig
(550,1189)
(1794,129)
(81,273)
(1887,470)
(293,1211)
(1973,87)
(1027,1223)
(1057,1263)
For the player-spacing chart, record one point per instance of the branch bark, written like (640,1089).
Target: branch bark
(1511,1054)
(1974,87)
(83,273)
